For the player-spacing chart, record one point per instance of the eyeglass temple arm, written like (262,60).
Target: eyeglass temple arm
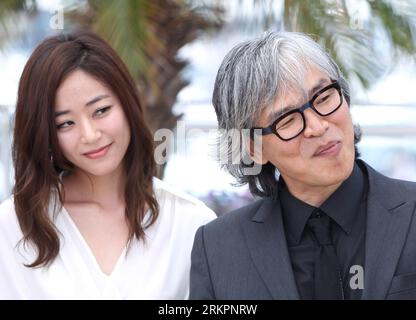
(262,131)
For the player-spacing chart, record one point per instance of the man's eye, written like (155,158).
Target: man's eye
(323,99)
(64,125)
(286,122)
(101,111)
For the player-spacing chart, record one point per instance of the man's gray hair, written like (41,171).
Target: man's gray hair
(250,79)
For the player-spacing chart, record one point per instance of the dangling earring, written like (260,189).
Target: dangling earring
(50,156)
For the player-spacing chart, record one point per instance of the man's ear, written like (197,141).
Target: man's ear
(255,149)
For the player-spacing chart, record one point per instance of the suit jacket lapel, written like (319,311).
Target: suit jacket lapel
(388,220)
(266,242)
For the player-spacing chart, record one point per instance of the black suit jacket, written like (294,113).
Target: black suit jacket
(244,255)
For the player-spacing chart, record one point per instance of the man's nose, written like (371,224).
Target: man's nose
(315,125)
(90,134)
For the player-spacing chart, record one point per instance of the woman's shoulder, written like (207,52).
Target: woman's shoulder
(181,203)
(8,217)
(7,211)
(9,225)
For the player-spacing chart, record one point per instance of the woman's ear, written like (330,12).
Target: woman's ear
(255,149)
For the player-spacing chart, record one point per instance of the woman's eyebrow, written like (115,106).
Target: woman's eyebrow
(96,99)
(91,102)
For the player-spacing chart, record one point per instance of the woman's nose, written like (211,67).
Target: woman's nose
(90,134)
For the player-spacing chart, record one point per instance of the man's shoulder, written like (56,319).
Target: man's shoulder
(231,219)
(409,186)
(387,184)
(389,189)
(226,233)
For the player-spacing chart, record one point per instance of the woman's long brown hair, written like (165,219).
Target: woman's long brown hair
(37,158)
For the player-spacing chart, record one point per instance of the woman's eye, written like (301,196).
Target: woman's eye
(101,111)
(64,125)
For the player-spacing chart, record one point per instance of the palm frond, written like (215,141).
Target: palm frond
(126,26)
(398,24)
(353,47)
(329,22)
(13,19)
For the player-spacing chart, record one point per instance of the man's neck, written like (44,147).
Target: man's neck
(312,195)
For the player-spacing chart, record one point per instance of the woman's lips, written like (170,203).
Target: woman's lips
(330,149)
(98,153)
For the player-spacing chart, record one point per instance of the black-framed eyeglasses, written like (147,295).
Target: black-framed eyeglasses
(291,124)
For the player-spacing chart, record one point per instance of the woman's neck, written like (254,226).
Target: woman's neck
(106,190)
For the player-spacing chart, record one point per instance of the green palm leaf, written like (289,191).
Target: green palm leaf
(353,45)
(13,17)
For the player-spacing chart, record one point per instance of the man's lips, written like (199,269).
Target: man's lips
(331,148)
(97,152)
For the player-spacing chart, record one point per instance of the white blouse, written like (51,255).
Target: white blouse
(156,269)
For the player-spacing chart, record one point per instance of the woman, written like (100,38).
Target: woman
(87,219)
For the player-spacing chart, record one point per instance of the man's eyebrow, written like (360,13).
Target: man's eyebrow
(92,101)
(319,85)
(277,113)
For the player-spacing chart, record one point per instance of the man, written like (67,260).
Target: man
(329,226)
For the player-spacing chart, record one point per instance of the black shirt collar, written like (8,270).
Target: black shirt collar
(342,206)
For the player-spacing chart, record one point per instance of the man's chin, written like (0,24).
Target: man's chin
(332,176)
